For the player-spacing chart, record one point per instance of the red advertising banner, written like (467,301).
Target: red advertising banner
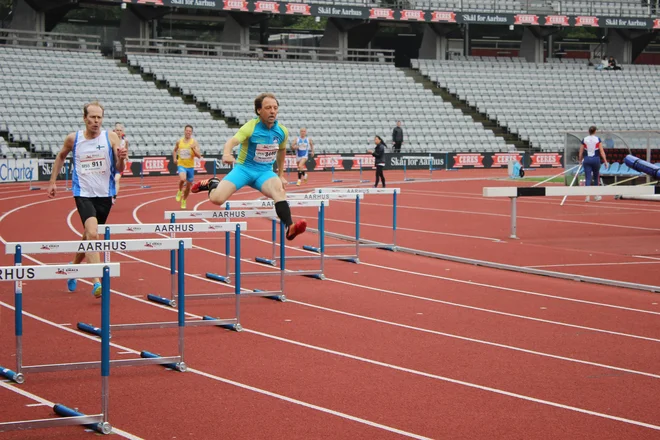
(200,165)
(586,21)
(502,159)
(235,5)
(127,170)
(267,7)
(413,14)
(367,160)
(290,163)
(556,20)
(447,17)
(545,160)
(328,161)
(298,8)
(656,23)
(526,19)
(384,13)
(155,165)
(468,160)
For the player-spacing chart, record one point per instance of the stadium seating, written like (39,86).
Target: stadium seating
(618,8)
(42,93)
(343,105)
(540,102)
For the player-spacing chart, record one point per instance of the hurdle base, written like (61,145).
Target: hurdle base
(89,328)
(316,276)
(388,248)
(12,375)
(178,366)
(216,277)
(350,260)
(235,327)
(161,300)
(64,411)
(265,261)
(311,248)
(268,295)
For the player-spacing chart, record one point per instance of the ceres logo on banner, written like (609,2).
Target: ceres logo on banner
(328,161)
(546,159)
(298,8)
(267,7)
(235,5)
(503,159)
(656,23)
(155,165)
(127,170)
(468,160)
(526,19)
(448,17)
(413,14)
(556,20)
(367,161)
(387,14)
(586,21)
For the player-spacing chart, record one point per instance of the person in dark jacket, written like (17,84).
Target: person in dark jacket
(379,153)
(397,137)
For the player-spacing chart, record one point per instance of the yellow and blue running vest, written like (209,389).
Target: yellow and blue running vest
(185,152)
(259,144)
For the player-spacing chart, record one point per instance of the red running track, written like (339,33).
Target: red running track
(399,346)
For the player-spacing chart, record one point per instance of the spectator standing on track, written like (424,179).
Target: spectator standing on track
(379,153)
(303,146)
(184,154)
(263,140)
(97,158)
(120,131)
(397,137)
(591,163)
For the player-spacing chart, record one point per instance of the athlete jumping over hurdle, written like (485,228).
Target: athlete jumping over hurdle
(303,146)
(97,157)
(262,141)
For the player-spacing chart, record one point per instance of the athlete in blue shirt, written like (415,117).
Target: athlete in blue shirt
(262,141)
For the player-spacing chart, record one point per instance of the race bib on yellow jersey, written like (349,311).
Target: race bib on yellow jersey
(185,154)
(266,153)
(93,163)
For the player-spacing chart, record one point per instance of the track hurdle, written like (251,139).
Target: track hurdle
(357,242)
(66,166)
(229,214)
(141,184)
(71,247)
(176,279)
(359,159)
(563,191)
(20,273)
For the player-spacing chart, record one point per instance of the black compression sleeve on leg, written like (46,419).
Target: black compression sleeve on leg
(213,183)
(299,175)
(284,212)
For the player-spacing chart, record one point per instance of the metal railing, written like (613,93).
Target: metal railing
(49,40)
(254,51)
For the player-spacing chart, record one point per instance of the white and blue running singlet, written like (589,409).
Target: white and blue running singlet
(302,147)
(93,166)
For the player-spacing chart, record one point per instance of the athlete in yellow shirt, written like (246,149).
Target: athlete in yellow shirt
(183,156)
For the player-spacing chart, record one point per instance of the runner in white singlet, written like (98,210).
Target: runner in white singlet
(303,146)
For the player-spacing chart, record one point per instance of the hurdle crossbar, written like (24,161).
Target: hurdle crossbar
(563,191)
(358,159)
(175,284)
(79,271)
(20,273)
(357,242)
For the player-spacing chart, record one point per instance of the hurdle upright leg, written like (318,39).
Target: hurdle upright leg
(513,218)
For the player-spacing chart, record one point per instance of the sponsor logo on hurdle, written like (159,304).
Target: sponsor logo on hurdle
(468,160)
(133,229)
(49,247)
(66,270)
(153,244)
(174,227)
(102,246)
(17,273)
(196,214)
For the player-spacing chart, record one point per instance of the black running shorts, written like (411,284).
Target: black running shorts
(97,207)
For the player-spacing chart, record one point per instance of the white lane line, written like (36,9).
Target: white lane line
(595,264)
(44,402)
